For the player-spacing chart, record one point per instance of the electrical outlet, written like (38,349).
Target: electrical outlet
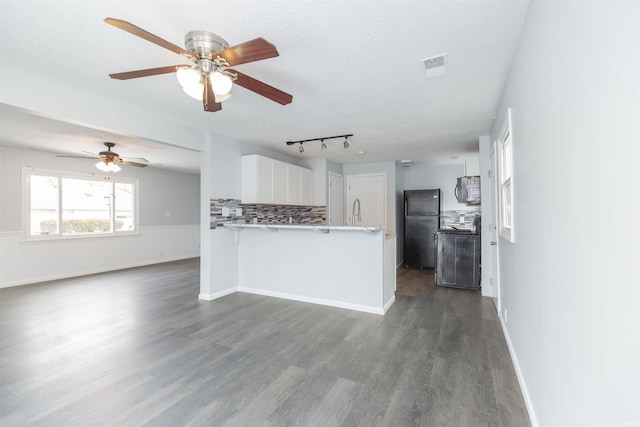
(238,211)
(504,316)
(461,219)
(225,211)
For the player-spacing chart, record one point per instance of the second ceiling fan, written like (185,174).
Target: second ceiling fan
(209,79)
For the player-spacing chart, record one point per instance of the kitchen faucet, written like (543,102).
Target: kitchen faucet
(353,212)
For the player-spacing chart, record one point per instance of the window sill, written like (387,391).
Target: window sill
(57,238)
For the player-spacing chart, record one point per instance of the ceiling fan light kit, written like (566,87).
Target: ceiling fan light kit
(208,80)
(220,83)
(107,166)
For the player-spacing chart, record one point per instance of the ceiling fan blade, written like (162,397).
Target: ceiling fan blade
(81,157)
(137,31)
(253,50)
(209,98)
(262,88)
(136,164)
(135,159)
(145,73)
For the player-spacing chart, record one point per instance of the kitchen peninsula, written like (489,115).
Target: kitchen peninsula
(339,266)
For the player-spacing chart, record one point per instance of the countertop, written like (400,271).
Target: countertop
(318,228)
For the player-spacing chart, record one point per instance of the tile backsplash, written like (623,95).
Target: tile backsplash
(452,218)
(263,214)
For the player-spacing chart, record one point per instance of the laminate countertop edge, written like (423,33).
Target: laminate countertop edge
(318,228)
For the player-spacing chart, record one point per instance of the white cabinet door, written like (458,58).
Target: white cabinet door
(256,184)
(306,187)
(366,199)
(279,182)
(264,180)
(293,185)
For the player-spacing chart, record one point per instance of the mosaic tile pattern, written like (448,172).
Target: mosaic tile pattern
(263,214)
(452,218)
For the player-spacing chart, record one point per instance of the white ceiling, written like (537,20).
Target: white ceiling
(351,66)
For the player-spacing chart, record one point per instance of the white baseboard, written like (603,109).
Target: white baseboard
(330,303)
(523,386)
(388,304)
(211,297)
(94,271)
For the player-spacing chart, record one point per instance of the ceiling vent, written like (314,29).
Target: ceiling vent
(436,66)
(405,163)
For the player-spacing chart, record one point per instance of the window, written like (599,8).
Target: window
(60,204)
(505,179)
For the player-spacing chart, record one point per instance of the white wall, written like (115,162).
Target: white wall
(389,168)
(162,238)
(444,177)
(570,282)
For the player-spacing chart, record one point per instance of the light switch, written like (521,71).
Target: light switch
(238,211)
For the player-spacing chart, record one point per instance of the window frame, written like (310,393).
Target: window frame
(27,172)
(505,171)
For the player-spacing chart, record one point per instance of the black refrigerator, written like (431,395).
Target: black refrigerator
(421,223)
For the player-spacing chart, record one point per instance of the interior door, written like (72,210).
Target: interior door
(366,200)
(495,251)
(336,199)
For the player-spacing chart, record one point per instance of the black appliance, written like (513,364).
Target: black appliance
(421,223)
(458,258)
(468,190)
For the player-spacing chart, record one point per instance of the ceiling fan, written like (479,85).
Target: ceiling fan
(108,160)
(209,79)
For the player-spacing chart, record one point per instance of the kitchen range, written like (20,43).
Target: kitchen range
(458,257)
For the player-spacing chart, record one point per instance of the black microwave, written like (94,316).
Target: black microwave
(468,190)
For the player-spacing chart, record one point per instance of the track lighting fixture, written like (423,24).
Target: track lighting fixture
(323,145)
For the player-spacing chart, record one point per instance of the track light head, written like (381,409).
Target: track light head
(346,142)
(323,145)
(301,148)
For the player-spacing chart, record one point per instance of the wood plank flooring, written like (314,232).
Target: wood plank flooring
(137,348)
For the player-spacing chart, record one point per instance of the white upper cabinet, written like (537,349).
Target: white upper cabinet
(279,182)
(257,179)
(270,181)
(306,187)
(293,185)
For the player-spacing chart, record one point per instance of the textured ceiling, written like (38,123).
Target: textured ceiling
(351,66)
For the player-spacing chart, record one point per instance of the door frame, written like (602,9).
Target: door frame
(493,226)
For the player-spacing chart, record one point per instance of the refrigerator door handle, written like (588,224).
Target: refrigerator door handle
(456,191)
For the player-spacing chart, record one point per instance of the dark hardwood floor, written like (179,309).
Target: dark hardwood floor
(136,347)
